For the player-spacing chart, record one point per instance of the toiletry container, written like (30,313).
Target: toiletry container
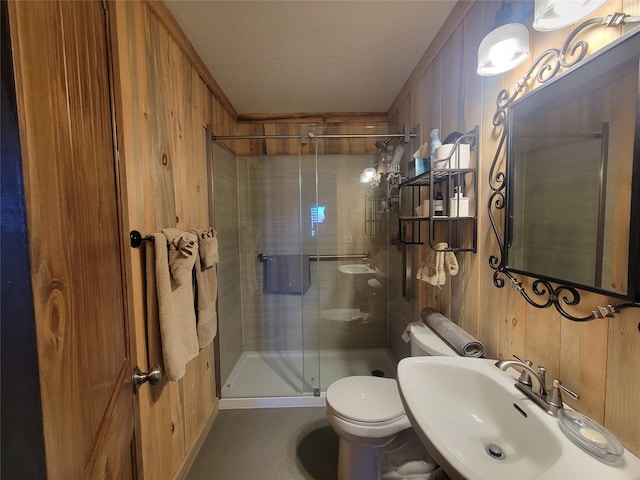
(455,157)
(423,209)
(435,140)
(438,204)
(459,205)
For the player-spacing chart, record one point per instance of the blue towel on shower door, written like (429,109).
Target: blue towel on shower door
(286,274)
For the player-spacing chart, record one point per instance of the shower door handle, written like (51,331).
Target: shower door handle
(153,376)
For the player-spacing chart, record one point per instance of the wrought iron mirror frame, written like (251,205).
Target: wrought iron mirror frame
(544,68)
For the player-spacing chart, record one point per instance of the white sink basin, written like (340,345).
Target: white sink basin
(463,407)
(357,269)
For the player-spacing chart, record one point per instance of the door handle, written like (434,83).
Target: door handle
(153,376)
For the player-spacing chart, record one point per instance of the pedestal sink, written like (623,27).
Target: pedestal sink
(477,425)
(357,269)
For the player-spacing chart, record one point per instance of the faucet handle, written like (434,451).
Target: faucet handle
(554,397)
(571,393)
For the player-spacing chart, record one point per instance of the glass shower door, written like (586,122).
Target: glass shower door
(274,302)
(290,320)
(265,278)
(312,216)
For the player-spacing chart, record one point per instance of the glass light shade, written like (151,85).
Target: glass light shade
(555,14)
(503,49)
(367,175)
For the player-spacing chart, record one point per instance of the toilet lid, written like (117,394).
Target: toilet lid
(365,399)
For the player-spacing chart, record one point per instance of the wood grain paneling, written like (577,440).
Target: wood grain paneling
(62,78)
(163,106)
(598,359)
(623,379)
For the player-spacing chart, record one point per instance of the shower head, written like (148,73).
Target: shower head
(380,145)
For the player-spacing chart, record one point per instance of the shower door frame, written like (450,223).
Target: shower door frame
(311,369)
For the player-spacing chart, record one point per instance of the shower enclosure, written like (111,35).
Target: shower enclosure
(303,292)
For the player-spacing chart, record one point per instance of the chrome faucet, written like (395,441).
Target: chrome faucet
(369,262)
(532,384)
(531,374)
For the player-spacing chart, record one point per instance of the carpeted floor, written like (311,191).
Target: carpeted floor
(268,444)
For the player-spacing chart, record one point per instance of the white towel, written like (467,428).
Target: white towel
(176,313)
(439,262)
(406,335)
(450,263)
(183,248)
(208,247)
(154,343)
(207,285)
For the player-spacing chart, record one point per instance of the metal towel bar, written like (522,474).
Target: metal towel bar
(261,257)
(136,238)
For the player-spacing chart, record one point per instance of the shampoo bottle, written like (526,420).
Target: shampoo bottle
(438,204)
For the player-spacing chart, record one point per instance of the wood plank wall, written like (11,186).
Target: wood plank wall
(163,106)
(598,359)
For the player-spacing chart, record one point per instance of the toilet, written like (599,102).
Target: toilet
(377,441)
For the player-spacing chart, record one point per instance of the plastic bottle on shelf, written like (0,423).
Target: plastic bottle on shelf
(438,204)
(459,205)
(435,141)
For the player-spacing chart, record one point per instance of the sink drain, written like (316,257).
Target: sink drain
(495,451)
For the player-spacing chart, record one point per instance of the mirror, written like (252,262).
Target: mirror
(573,150)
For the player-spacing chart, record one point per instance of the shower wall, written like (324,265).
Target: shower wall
(276,196)
(263,206)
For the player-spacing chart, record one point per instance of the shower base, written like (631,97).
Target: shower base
(275,379)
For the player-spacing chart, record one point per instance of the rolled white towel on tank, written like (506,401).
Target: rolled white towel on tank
(463,343)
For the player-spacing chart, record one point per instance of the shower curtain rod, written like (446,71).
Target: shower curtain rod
(309,135)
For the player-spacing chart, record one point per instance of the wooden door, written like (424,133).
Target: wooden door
(60,53)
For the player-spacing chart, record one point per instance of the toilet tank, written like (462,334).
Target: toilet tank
(425,342)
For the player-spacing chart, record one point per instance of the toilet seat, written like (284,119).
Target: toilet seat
(364,399)
(366,407)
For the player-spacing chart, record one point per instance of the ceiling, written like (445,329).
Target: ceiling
(309,56)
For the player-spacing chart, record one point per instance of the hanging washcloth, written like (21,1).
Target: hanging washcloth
(183,247)
(208,247)
(432,272)
(439,263)
(176,314)
(450,263)
(207,285)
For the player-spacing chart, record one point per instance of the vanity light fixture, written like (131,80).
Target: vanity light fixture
(503,49)
(556,14)
(506,46)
